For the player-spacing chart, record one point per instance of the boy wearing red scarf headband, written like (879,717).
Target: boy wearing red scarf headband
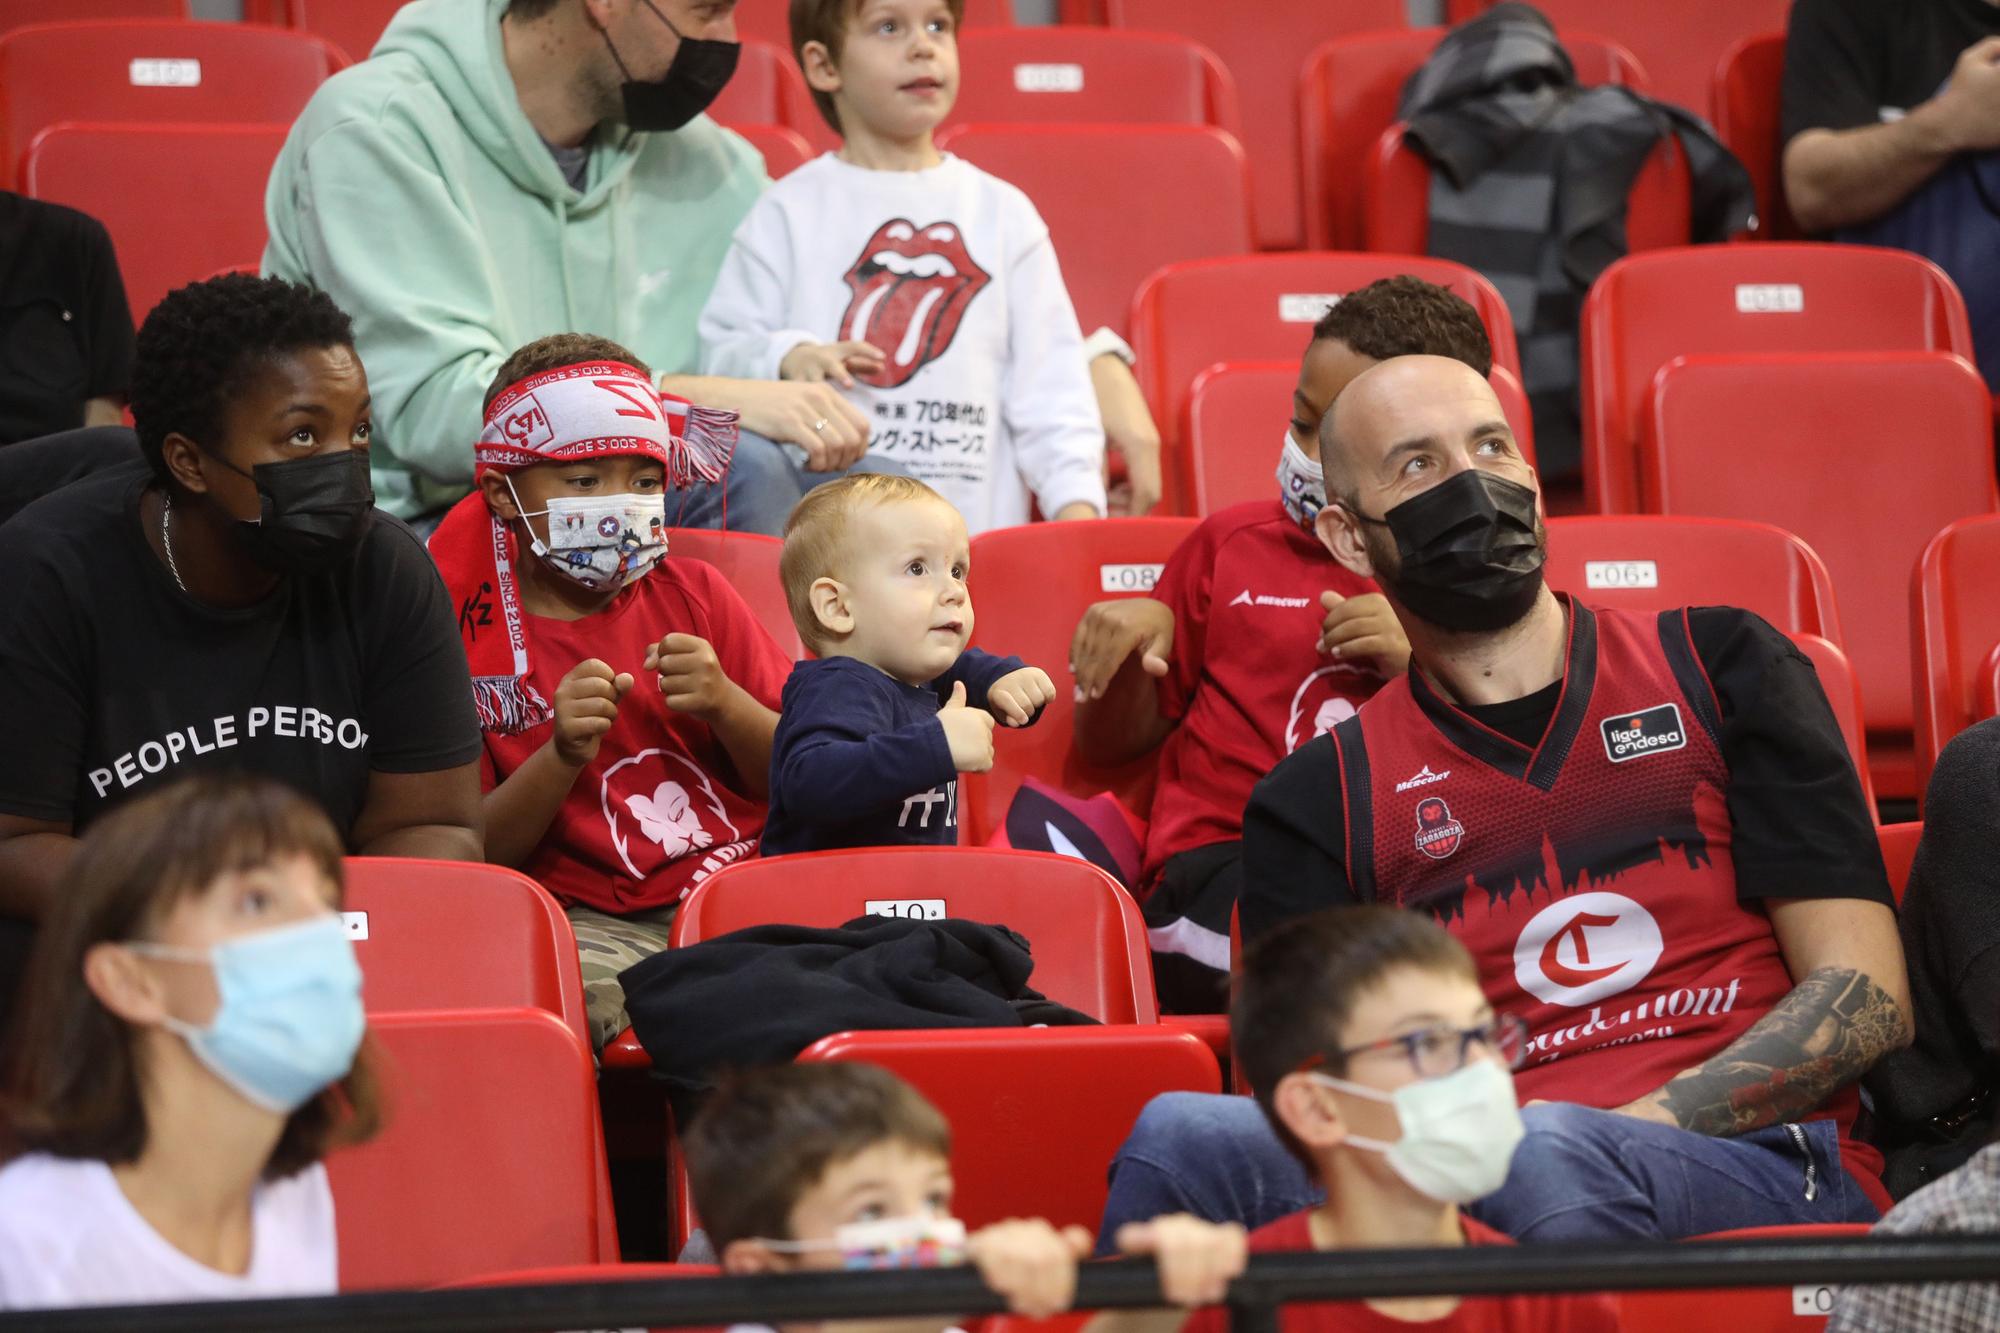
(616,799)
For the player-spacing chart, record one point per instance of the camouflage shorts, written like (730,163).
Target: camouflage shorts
(605,946)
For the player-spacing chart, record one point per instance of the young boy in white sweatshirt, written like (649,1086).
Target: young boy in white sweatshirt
(924,288)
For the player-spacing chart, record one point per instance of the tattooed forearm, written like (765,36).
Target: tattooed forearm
(1833,1026)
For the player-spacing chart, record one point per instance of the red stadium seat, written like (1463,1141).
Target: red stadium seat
(1739,1310)
(1089,941)
(767,21)
(147,71)
(1265,54)
(1955,634)
(492,1157)
(785,151)
(122,175)
(24,13)
(1863,455)
(1188,316)
(352,25)
(1899,851)
(1348,97)
(749,560)
(767,89)
(1066,75)
(1235,409)
(460,935)
(1090,183)
(1014,1153)
(1843,695)
(1745,106)
(1031,585)
(1396,199)
(1647,309)
(1680,43)
(1646,562)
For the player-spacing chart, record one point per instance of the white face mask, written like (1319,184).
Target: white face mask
(921,1241)
(1459,1130)
(1301,483)
(602,541)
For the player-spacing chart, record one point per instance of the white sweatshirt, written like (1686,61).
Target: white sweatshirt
(986,394)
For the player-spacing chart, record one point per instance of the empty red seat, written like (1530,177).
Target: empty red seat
(352,25)
(125,176)
(21,13)
(152,71)
(1348,96)
(1681,43)
(1030,587)
(1649,562)
(1955,633)
(1865,456)
(1091,74)
(1232,444)
(769,21)
(1189,316)
(1120,200)
(1647,309)
(492,1157)
(1015,1152)
(784,151)
(767,89)
(749,560)
(1748,84)
(1265,49)
(1740,1310)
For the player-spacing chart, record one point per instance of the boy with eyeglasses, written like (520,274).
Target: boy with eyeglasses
(1383,1068)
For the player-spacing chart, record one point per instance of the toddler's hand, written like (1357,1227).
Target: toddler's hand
(968,731)
(586,706)
(1197,1260)
(1015,696)
(1364,627)
(814,362)
(691,678)
(1030,1263)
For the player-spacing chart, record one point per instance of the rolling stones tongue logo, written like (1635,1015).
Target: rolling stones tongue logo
(911,289)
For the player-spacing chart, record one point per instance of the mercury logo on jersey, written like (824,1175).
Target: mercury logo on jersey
(1423,778)
(1649,731)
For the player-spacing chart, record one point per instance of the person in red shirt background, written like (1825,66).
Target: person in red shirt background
(1254,642)
(616,799)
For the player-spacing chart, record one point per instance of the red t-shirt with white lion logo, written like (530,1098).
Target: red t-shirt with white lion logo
(1245,679)
(661,807)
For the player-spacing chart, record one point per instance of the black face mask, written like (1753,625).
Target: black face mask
(701,67)
(313,511)
(1470,552)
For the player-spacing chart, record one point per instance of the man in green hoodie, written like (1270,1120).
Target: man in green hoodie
(500,170)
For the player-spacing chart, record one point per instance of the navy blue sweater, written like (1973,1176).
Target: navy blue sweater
(860,759)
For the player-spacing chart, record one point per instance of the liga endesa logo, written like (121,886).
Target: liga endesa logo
(1586,947)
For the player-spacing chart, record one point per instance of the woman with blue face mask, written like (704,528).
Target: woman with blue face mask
(189,1044)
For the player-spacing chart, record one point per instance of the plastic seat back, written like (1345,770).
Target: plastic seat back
(1899,853)
(352,25)
(1748,83)
(1073,75)
(1014,1153)
(749,560)
(1740,1310)
(1955,633)
(1082,178)
(1347,98)
(1750,437)
(784,151)
(1723,300)
(1265,54)
(1235,406)
(151,71)
(492,1157)
(1030,587)
(25,13)
(1645,562)
(1088,938)
(767,89)
(121,173)
(460,935)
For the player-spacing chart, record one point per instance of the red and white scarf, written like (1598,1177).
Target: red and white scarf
(598,409)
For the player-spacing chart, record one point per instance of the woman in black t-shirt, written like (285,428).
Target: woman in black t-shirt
(234,602)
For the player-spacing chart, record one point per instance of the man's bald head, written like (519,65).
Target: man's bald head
(1394,404)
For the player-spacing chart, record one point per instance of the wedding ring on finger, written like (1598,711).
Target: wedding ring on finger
(820,425)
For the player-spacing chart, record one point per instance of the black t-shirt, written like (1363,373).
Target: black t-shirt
(65,331)
(1847,61)
(34,468)
(1800,825)
(113,680)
